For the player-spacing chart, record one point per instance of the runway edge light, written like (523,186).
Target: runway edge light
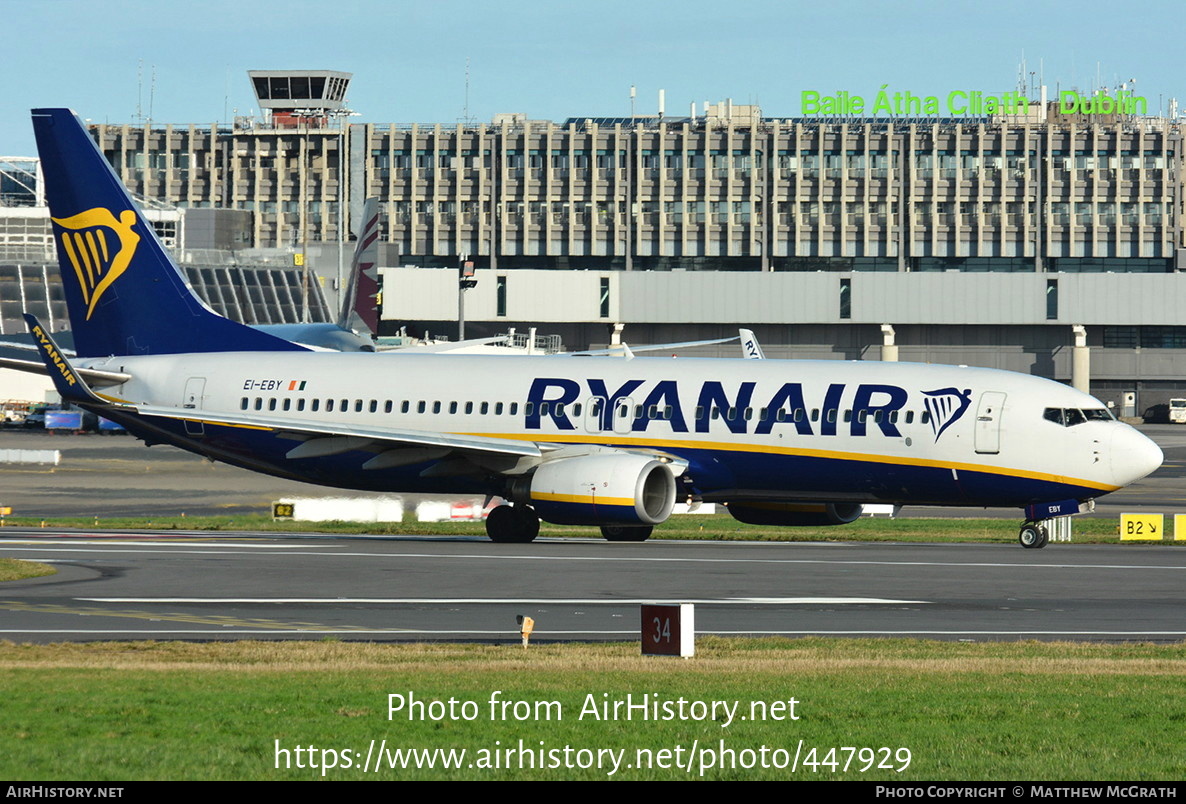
(669,629)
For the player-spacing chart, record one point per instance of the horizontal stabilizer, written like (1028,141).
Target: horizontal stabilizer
(69,383)
(94,377)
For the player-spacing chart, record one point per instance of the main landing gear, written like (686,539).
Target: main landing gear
(1033,535)
(618,533)
(512,524)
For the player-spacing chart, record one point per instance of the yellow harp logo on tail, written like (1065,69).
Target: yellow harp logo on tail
(100,248)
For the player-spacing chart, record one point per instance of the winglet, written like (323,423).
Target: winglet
(750,348)
(68,382)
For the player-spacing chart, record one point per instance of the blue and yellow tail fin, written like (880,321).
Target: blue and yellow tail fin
(124,293)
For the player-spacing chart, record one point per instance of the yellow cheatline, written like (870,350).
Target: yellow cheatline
(660,444)
(588,499)
(227,424)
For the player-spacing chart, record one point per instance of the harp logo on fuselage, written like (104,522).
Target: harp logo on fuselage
(100,248)
(946,406)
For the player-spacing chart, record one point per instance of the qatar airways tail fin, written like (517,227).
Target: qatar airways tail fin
(360,307)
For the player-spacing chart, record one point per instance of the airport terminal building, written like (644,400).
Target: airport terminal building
(970,240)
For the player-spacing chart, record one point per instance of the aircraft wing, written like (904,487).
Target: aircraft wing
(319,439)
(628,351)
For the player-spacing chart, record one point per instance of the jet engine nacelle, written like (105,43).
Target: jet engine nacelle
(795,514)
(612,489)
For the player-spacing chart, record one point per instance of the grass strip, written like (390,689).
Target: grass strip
(709,527)
(990,711)
(14,569)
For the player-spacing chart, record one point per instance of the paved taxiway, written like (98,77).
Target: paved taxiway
(410,588)
(110,476)
(236,587)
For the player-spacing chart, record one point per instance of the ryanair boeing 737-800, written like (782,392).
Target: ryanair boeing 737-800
(602,441)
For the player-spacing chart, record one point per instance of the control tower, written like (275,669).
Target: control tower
(295,98)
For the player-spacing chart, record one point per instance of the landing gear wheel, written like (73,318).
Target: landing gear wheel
(618,533)
(509,524)
(1033,536)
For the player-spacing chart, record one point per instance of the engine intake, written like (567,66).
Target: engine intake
(614,489)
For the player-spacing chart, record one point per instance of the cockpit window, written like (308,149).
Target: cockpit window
(1069,417)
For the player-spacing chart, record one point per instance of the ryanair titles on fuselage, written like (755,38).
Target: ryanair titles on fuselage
(552,398)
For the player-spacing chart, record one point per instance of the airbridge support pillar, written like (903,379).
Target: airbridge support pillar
(1081,360)
(889,349)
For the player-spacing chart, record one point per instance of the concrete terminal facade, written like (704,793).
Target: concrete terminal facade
(706,194)
(979,240)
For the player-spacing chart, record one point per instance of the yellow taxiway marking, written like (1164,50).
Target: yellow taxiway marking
(177,617)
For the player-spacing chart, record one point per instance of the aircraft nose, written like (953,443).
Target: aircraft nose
(1133,456)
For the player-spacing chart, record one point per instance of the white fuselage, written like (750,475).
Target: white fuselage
(748,429)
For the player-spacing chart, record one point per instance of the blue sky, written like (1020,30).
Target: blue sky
(557,59)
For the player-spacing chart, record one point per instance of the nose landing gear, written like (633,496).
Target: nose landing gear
(1046,521)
